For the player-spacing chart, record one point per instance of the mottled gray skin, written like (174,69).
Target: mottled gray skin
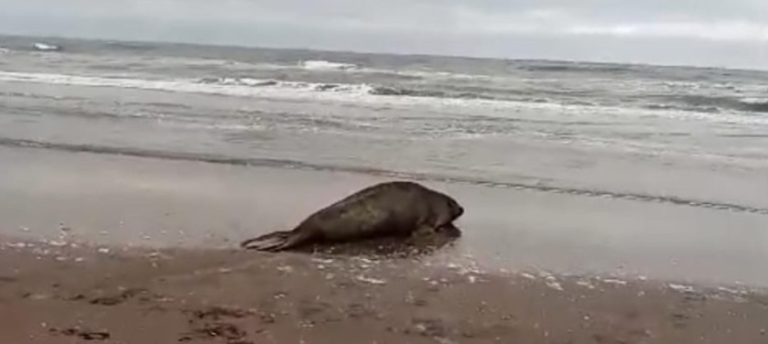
(388,209)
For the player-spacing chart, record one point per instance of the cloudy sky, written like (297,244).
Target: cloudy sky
(732,33)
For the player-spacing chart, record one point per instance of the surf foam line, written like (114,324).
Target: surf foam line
(359,94)
(284,163)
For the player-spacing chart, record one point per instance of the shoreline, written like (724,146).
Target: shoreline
(142,202)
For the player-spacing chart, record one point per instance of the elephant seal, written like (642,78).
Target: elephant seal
(390,209)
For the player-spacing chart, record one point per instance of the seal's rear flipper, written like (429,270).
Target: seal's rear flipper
(268,242)
(293,240)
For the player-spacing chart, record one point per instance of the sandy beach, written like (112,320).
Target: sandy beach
(119,249)
(76,294)
(604,203)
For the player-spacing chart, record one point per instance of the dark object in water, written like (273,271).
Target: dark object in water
(391,209)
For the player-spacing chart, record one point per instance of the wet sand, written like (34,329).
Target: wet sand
(143,202)
(67,295)
(132,250)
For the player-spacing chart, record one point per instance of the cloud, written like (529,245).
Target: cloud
(717,31)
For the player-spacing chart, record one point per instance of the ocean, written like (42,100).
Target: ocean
(692,137)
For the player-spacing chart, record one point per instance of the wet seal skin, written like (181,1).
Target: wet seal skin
(397,209)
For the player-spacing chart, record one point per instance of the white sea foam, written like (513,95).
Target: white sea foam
(46,47)
(755,101)
(327,65)
(226,86)
(681,288)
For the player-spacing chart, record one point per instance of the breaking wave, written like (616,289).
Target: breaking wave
(327,65)
(712,104)
(355,88)
(703,107)
(46,47)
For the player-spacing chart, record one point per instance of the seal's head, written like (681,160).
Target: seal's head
(455,209)
(450,210)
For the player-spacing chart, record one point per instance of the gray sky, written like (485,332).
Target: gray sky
(731,33)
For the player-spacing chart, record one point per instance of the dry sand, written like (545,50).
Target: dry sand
(131,250)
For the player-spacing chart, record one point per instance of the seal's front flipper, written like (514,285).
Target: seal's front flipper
(450,230)
(266,242)
(423,231)
(422,236)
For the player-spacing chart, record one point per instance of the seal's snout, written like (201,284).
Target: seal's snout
(456,210)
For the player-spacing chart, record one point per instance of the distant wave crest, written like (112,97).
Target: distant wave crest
(46,47)
(327,65)
(755,105)
(576,67)
(294,85)
(354,88)
(712,104)
(239,81)
(459,94)
(133,46)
